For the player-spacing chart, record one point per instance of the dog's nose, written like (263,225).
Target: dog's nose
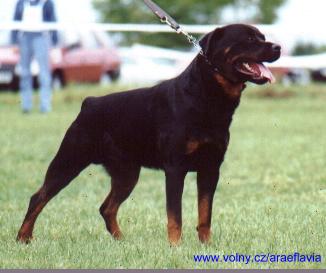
(276,47)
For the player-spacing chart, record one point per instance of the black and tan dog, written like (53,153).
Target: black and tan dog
(180,125)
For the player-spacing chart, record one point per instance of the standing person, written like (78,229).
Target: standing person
(34,42)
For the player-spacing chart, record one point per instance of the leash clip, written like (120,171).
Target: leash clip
(175,27)
(167,19)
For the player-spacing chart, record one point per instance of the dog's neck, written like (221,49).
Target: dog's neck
(233,90)
(214,83)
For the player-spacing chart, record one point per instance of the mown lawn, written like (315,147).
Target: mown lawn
(271,196)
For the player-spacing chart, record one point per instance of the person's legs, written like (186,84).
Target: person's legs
(41,50)
(26,81)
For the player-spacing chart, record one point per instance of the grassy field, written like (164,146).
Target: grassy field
(271,196)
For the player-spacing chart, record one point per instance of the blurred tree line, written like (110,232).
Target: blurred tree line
(308,49)
(185,12)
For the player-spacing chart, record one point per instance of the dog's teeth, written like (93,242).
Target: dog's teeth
(247,66)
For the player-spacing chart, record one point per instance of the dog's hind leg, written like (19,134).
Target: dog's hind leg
(122,184)
(73,156)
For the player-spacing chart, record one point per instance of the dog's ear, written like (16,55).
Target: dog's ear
(211,39)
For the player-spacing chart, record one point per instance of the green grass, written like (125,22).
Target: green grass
(271,195)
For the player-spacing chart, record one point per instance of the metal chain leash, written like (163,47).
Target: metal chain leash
(167,19)
(195,43)
(190,38)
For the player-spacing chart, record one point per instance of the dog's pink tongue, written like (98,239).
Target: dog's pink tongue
(266,73)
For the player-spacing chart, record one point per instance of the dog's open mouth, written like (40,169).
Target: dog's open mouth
(257,71)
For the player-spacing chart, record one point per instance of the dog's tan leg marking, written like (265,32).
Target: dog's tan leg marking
(174,229)
(36,205)
(121,188)
(204,218)
(109,211)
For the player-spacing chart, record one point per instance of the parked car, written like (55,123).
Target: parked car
(86,57)
(152,70)
(319,75)
(157,64)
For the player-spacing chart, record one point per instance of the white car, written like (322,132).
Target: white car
(145,64)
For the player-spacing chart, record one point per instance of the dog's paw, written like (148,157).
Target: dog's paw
(24,239)
(117,235)
(175,243)
(204,235)
(174,237)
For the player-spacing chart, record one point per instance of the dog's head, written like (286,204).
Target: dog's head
(238,51)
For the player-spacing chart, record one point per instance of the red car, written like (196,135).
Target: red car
(86,57)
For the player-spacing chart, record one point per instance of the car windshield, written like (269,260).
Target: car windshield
(4,38)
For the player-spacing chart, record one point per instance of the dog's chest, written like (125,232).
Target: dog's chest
(193,144)
(216,137)
(216,142)
(207,129)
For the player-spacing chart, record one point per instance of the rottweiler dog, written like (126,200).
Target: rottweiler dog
(180,125)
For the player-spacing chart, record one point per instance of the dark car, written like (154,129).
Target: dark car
(319,75)
(86,57)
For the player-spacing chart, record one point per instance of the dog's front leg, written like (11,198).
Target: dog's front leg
(207,179)
(174,189)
